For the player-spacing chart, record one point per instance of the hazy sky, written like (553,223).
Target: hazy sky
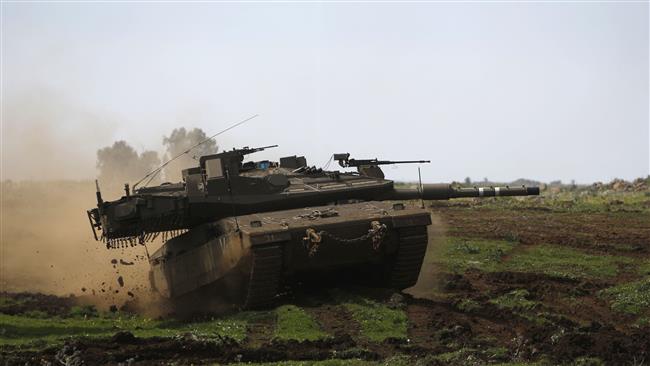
(500,90)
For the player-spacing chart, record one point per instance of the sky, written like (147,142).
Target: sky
(543,91)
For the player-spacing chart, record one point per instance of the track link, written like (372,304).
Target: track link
(410,254)
(265,275)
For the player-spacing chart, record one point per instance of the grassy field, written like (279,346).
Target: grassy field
(559,279)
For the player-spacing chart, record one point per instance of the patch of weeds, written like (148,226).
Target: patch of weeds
(398,360)
(464,356)
(294,323)
(588,361)
(496,353)
(511,237)
(468,305)
(333,362)
(84,311)
(643,321)
(355,353)
(565,262)
(565,200)
(21,330)
(461,254)
(644,268)
(515,300)
(6,301)
(486,340)
(411,360)
(631,297)
(378,321)
(37,314)
(232,327)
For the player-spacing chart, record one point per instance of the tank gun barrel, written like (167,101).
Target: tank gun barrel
(447,191)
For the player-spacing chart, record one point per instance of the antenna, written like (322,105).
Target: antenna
(152,174)
(420,188)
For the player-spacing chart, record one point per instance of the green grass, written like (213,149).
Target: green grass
(565,262)
(350,362)
(468,305)
(644,268)
(7,302)
(643,321)
(23,330)
(460,254)
(565,201)
(463,356)
(588,361)
(515,300)
(631,297)
(294,323)
(377,321)
(83,311)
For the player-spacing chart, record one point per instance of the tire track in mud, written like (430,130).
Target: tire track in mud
(260,331)
(335,320)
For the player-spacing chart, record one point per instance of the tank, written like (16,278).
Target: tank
(265,225)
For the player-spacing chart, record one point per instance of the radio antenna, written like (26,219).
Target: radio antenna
(420,188)
(152,174)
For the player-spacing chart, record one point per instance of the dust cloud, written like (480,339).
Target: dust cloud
(429,281)
(47,245)
(52,148)
(46,242)
(46,136)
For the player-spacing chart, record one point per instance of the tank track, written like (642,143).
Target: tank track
(410,254)
(265,276)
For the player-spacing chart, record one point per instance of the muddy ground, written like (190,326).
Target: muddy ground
(569,322)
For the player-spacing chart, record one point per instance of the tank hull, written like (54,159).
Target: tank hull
(384,242)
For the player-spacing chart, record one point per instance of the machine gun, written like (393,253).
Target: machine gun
(370,167)
(250,150)
(345,161)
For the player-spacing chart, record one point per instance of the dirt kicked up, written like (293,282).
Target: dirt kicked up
(507,284)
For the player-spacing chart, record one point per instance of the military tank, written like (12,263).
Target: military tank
(267,222)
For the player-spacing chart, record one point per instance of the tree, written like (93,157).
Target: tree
(177,143)
(120,163)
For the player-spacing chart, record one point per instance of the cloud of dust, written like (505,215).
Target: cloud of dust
(429,280)
(47,245)
(46,136)
(50,151)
